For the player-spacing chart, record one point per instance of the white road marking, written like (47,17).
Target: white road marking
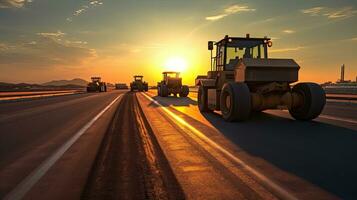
(22,188)
(330,118)
(284,193)
(338,119)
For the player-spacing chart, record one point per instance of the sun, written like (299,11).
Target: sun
(177,64)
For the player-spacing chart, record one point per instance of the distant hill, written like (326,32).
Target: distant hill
(7,87)
(76,81)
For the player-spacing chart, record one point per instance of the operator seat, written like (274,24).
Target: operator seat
(232,63)
(247,53)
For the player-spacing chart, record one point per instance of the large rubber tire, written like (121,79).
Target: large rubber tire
(158,91)
(202,99)
(164,91)
(314,101)
(235,102)
(184,91)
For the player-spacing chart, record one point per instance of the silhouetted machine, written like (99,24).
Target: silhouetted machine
(243,80)
(96,85)
(172,84)
(121,86)
(138,84)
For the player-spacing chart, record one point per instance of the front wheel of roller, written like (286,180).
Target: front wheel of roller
(235,102)
(159,91)
(164,91)
(184,91)
(202,99)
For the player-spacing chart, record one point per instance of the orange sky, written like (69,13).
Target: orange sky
(117,39)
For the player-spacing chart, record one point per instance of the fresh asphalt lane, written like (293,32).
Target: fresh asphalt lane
(291,153)
(30,131)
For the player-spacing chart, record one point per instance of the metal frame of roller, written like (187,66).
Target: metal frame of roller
(243,80)
(138,84)
(172,84)
(96,85)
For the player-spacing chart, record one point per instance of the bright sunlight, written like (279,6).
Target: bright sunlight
(177,64)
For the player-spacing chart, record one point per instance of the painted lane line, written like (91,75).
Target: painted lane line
(25,185)
(285,194)
(338,119)
(329,117)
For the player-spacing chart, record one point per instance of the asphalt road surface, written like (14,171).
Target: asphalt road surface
(123,145)
(31,131)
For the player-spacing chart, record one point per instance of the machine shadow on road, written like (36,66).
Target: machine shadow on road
(176,101)
(320,153)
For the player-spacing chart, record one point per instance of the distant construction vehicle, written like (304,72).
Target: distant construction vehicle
(121,86)
(172,84)
(96,85)
(243,80)
(138,84)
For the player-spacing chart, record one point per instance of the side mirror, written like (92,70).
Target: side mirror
(210,45)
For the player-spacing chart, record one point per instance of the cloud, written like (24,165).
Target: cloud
(78,42)
(315,11)
(84,9)
(286,49)
(95,2)
(13,3)
(216,17)
(288,31)
(331,13)
(341,13)
(79,11)
(3,47)
(229,11)
(52,34)
(47,51)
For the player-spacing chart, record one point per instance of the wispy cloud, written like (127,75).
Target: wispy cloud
(79,42)
(229,11)
(84,8)
(95,2)
(341,13)
(52,34)
(59,36)
(13,3)
(3,46)
(315,11)
(79,11)
(289,31)
(46,50)
(331,13)
(286,49)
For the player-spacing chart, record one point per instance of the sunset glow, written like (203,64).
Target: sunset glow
(176,64)
(115,39)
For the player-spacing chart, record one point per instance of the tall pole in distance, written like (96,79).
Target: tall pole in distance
(211,62)
(342,73)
